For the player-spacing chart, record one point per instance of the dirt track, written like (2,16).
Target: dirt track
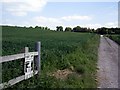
(107,64)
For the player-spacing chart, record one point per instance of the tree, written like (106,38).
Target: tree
(46,28)
(102,30)
(108,31)
(30,27)
(42,28)
(76,29)
(59,28)
(36,27)
(68,29)
(117,30)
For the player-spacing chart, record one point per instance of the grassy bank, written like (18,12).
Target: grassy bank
(115,38)
(68,59)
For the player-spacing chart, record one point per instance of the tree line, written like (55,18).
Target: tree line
(20,28)
(102,30)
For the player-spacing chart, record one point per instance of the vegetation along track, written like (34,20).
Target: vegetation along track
(68,53)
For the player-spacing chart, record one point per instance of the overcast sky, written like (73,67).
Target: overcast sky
(51,14)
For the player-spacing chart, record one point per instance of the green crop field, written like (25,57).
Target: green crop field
(68,52)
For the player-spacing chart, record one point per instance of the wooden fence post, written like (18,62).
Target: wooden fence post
(26,51)
(38,61)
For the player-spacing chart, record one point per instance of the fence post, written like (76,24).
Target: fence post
(26,51)
(38,62)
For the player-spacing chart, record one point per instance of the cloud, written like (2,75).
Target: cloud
(95,26)
(42,19)
(19,13)
(8,1)
(75,17)
(47,21)
(111,24)
(98,25)
(53,22)
(21,8)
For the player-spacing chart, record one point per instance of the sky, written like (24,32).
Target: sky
(66,13)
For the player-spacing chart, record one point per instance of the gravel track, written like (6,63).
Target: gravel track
(107,63)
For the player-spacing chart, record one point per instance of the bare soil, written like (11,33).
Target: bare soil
(61,74)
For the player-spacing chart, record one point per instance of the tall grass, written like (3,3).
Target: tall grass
(59,50)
